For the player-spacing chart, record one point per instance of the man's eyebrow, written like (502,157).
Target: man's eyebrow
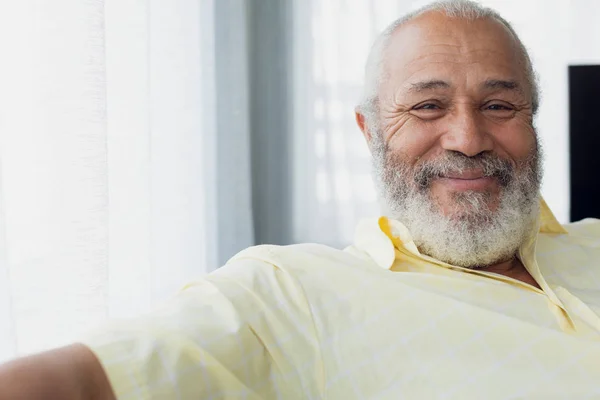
(503,84)
(417,87)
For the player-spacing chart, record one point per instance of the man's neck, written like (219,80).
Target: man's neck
(512,268)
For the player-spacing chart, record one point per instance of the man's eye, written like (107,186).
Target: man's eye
(499,107)
(427,106)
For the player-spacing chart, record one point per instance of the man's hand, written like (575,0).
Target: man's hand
(68,373)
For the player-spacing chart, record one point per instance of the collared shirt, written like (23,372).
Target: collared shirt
(379,320)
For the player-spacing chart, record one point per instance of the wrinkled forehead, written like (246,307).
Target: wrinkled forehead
(453,48)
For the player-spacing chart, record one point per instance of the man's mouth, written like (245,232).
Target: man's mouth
(467,174)
(466,180)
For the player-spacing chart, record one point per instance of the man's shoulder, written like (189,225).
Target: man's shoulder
(583,235)
(572,255)
(305,256)
(580,233)
(307,265)
(281,273)
(588,227)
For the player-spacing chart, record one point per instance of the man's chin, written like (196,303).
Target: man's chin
(477,255)
(469,205)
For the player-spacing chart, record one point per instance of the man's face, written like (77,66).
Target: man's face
(455,149)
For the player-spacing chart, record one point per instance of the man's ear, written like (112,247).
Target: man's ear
(362,124)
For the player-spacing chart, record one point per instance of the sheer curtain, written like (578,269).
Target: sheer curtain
(332,185)
(109,191)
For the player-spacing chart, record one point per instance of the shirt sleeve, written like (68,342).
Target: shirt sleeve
(245,331)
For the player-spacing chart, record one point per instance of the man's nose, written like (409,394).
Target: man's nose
(466,134)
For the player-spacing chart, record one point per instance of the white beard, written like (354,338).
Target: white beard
(473,236)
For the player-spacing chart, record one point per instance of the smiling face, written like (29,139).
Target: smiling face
(455,149)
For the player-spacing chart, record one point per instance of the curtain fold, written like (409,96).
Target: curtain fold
(233,211)
(110,154)
(7,332)
(273,155)
(53,157)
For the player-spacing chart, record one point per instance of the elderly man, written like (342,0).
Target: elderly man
(467,288)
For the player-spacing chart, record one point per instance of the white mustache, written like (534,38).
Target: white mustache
(453,163)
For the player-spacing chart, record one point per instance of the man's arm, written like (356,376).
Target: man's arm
(68,373)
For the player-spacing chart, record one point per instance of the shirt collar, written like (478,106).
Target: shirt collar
(548,222)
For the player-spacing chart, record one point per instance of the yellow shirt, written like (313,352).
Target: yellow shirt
(376,321)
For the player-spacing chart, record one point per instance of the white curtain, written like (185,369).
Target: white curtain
(333,189)
(108,148)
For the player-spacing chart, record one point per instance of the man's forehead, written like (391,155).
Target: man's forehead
(434,42)
(436,28)
(490,84)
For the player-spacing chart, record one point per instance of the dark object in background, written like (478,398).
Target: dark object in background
(584,136)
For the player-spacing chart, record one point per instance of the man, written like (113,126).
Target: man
(467,288)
